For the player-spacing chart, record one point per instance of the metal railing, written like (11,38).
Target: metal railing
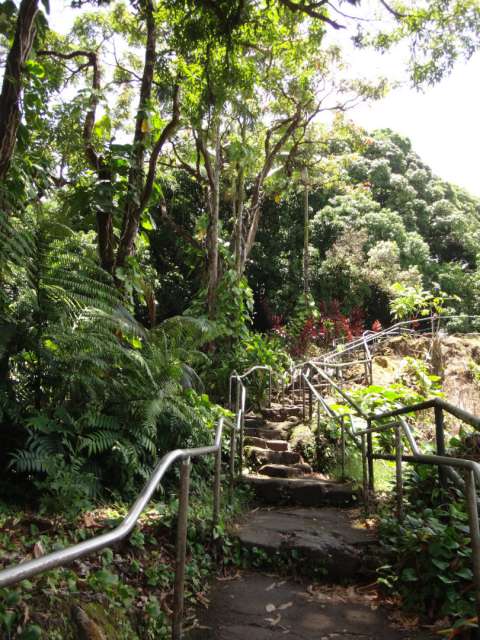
(63,557)
(240,408)
(394,420)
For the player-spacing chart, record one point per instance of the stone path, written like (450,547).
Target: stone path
(331,540)
(263,607)
(312,526)
(278,474)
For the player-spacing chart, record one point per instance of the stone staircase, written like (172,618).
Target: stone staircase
(306,528)
(280,476)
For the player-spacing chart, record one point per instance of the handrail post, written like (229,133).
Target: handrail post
(302,382)
(270,388)
(399,471)
(365,475)
(440,440)
(233,443)
(310,404)
(240,444)
(371,476)
(217,487)
(342,435)
(317,436)
(178,596)
(237,397)
(475,539)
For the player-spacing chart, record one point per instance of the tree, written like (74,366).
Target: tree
(10,96)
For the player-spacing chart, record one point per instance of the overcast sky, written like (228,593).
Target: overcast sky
(442,122)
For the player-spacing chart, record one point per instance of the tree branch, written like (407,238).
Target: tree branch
(311,10)
(166,134)
(391,10)
(181,231)
(95,161)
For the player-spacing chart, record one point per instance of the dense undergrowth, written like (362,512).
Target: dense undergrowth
(157,228)
(126,591)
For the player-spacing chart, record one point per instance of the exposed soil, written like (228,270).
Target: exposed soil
(459,385)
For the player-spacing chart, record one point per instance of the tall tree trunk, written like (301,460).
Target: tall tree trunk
(12,82)
(132,212)
(239,207)
(213,226)
(306,262)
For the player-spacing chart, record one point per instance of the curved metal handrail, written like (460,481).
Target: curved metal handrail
(62,557)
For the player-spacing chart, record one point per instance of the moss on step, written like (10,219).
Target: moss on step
(302,440)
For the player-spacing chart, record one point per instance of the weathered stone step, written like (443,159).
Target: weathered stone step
(309,492)
(331,541)
(282,412)
(285,471)
(269,430)
(266,456)
(256,606)
(266,434)
(253,421)
(274,445)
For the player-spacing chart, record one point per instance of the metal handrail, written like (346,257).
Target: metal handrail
(63,557)
(373,336)
(446,464)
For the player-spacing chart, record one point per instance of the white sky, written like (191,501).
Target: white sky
(442,122)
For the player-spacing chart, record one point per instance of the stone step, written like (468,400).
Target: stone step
(257,606)
(315,491)
(267,433)
(285,471)
(331,541)
(265,456)
(261,443)
(253,421)
(282,412)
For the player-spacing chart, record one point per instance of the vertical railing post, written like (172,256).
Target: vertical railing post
(233,451)
(366,499)
(181,551)
(342,444)
(317,436)
(302,383)
(310,404)
(371,476)
(240,444)
(270,388)
(399,471)
(217,487)
(475,539)
(237,397)
(440,440)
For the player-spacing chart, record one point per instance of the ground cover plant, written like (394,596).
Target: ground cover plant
(174,207)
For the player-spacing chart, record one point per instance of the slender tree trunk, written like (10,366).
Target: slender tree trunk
(306,262)
(213,227)
(132,212)
(238,217)
(12,82)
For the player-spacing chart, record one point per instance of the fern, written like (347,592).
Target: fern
(97,394)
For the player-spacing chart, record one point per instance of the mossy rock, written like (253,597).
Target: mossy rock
(302,440)
(94,622)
